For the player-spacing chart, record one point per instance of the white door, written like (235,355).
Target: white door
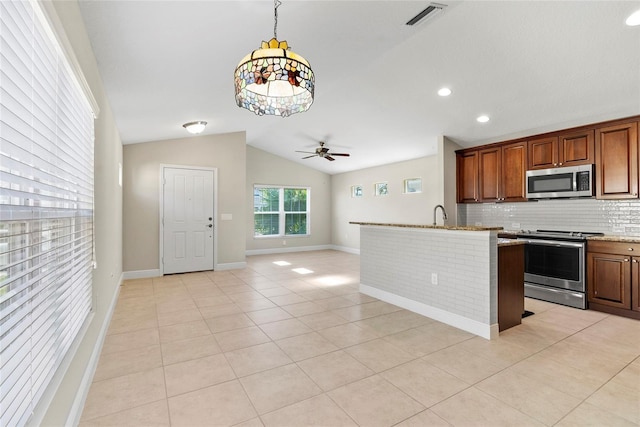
(187,220)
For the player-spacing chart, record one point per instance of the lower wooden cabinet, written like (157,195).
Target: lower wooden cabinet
(510,285)
(613,276)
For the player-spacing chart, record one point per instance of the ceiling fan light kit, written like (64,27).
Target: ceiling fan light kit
(274,80)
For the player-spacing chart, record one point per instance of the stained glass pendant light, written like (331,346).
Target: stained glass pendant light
(273,80)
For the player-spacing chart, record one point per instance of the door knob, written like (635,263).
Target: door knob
(210,225)
(210,218)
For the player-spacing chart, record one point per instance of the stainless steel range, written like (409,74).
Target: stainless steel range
(555,266)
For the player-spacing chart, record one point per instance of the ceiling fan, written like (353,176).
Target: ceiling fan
(323,152)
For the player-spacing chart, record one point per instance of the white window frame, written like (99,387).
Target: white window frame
(281,212)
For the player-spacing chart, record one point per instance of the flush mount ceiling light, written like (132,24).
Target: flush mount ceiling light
(273,80)
(445,91)
(483,119)
(195,127)
(633,19)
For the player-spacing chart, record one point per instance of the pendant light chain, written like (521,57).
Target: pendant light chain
(276,4)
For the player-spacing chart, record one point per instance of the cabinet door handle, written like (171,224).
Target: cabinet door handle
(629,249)
(626,260)
(635,260)
(560,163)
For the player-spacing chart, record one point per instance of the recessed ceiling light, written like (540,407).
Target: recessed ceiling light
(483,119)
(445,91)
(633,19)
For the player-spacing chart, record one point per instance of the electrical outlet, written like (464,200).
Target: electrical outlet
(515,225)
(434,278)
(618,229)
(284,243)
(478,224)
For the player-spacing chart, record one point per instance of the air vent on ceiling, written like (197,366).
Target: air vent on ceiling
(430,11)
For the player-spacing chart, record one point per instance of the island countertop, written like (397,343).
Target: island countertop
(437,227)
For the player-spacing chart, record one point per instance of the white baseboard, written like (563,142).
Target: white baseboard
(355,251)
(455,320)
(231,266)
(141,274)
(288,249)
(87,378)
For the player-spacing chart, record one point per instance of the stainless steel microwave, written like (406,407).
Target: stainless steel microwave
(572,181)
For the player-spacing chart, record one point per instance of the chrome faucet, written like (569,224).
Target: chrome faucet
(444,213)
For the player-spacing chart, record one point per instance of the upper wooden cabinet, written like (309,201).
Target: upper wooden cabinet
(514,161)
(467,177)
(490,169)
(497,172)
(494,174)
(569,149)
(617,161)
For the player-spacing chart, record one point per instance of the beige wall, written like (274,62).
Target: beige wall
(265,168)
(396,207)
(141,228)
(108,220)
(447,164)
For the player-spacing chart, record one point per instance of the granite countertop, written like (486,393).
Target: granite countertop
(437,227)
(510,242)
(611,238)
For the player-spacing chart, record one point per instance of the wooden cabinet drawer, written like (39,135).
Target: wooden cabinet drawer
(620,248)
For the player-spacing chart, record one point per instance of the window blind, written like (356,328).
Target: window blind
(46,208)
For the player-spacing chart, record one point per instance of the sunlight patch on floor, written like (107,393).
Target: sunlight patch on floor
(329,281)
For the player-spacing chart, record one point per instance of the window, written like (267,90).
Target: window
(46,208)
(280,211)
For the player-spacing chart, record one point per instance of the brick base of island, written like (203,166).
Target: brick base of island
(449,274)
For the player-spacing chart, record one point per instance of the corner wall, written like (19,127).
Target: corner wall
(266,168)
(448,176)
(141,174)
(395,207)
(107,223)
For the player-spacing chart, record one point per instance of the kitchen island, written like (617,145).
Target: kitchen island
(449,274)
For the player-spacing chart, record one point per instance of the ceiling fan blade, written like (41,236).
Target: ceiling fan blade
(331,159)
(306,152)
(308,157)
(339,154)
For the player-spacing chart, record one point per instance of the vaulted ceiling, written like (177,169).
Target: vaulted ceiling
(531,66)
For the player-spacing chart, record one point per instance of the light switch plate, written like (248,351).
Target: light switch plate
(226,217)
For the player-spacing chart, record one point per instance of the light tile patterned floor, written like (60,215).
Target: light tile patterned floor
(265,346)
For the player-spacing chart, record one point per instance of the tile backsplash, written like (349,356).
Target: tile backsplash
(613,217)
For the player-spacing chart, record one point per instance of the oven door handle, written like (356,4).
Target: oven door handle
(554,243)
